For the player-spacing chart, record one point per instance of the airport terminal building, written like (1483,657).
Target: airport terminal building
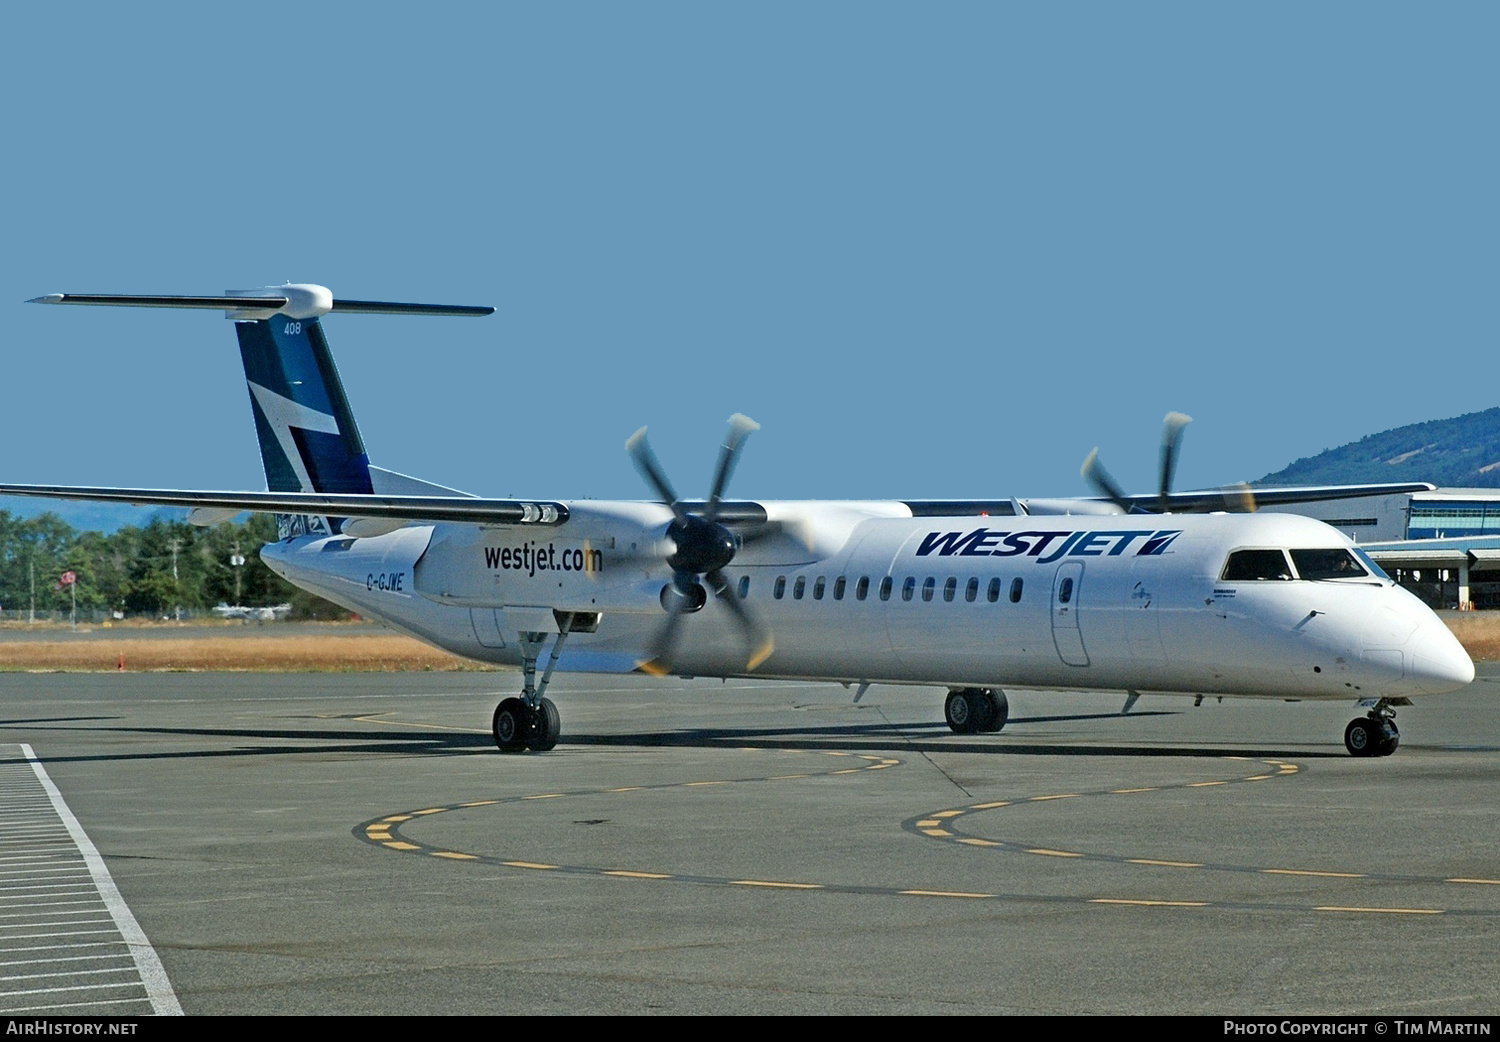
(1444,546)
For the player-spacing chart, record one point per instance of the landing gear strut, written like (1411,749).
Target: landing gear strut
(972,710)
(1374,734)
(532,721)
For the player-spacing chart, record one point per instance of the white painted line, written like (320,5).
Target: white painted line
(147,962)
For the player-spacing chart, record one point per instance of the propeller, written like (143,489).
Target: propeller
(1171,442)
(1240,499)
(702,548)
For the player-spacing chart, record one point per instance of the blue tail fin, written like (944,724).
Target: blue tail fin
(308,438)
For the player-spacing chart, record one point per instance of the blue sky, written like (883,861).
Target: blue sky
(936,250)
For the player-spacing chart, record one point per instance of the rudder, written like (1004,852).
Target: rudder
(309,441)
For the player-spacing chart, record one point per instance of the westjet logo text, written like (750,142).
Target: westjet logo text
(1045,546)
(531,558)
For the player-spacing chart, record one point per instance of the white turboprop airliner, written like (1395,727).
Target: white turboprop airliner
(1154,594)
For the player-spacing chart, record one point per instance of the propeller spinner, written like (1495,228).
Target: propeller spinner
(703,548)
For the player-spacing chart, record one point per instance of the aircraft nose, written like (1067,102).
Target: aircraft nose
(1439,662)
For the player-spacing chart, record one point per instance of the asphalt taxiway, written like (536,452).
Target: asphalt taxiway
(353,843)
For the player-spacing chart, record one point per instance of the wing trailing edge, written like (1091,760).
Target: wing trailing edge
(397,508)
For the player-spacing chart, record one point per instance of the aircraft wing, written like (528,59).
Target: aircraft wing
(1240,498)
(1246,497)
(1232,498)
(328,504)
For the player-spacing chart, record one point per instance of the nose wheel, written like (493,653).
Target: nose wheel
(1373,735)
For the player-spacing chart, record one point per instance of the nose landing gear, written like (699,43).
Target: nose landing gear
(1375,734)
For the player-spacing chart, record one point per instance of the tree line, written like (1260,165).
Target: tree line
(152,570)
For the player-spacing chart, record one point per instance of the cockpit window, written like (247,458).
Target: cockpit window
(1369,562)
(1256,564)
(1337,563)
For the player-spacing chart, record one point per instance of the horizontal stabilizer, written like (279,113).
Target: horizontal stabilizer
(383,307)
(293,300)
(137,300)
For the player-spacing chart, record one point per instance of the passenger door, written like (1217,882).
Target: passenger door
(1067,588)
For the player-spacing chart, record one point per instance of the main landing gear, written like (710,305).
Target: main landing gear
(532,721)
(1374,734)
(519,725)
(972,710)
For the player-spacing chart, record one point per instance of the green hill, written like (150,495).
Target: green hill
(1461,452)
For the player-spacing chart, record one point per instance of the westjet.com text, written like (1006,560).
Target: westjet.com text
(531,558)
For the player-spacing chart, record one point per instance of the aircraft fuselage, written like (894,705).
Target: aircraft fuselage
(855,592)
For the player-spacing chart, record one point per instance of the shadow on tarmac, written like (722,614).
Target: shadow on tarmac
(391,739)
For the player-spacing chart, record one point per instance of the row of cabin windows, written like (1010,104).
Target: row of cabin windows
(887,584)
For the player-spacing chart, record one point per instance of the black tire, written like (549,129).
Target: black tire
(1362,737)
(1390,738)
(999,709)
(959,710)
(510,725)
(546,727)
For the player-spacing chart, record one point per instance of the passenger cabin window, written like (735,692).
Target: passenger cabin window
(838,588)
(1255,565)
(744,586)
(862,588)
(993,593)
(780,589)
(818,589)
(799,587)
(1015,590)
(971,591)
(949,588)
(908,588)
(927,587)
(885,588)
(1337,563)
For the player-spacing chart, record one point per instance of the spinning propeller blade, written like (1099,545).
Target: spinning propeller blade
(1171,447)
(1171,441)
(1094,473)
(703,547)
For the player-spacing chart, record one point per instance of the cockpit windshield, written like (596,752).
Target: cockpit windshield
(1336,563)
(1313,565)
(1369,563)
(1256,564)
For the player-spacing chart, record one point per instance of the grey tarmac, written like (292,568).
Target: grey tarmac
(353,843)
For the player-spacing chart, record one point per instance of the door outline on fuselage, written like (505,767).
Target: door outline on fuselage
(1067,587)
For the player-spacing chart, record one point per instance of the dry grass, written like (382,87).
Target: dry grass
(1477,631)
(334,652)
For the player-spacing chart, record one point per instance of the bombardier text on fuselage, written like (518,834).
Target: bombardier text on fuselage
(1163,593)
